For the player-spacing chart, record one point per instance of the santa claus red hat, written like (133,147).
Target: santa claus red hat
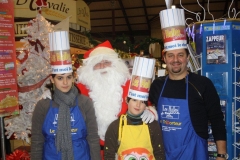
(102,48)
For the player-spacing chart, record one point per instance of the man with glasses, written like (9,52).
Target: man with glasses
(105,78)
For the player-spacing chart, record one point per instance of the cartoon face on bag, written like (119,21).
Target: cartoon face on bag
(136,154)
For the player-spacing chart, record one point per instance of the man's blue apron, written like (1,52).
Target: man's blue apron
(78,129)
(180,140)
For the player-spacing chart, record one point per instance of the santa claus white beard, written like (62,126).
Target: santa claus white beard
(106,93)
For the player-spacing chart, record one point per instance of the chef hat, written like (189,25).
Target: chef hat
(142,74)
(60,56)
(173,29)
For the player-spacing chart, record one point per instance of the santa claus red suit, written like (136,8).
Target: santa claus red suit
(105,78)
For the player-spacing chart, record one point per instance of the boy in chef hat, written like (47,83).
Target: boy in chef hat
(129,137)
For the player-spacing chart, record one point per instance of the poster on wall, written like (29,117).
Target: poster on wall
(8,74)
(219,80)
(216,49)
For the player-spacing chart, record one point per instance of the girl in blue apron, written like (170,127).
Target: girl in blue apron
(64,126)
(61,129)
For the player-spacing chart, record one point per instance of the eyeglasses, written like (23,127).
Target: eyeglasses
(102,64)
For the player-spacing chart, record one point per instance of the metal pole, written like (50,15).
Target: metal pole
(3,150)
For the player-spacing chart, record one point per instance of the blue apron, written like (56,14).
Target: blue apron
(180,139)
(78,130)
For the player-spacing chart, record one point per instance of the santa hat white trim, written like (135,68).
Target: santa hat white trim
(102,50)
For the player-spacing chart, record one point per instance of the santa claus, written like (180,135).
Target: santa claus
(105,78)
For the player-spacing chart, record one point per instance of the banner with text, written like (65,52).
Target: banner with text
(57,10)
(8,73)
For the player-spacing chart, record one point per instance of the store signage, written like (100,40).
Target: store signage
(57,10)
(236,27)
(78,40)
(217,28)
(8,72)
(18,26)
(74,38)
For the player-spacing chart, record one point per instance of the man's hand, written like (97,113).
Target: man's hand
(221,148)
(149,115)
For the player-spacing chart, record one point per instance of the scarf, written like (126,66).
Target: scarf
(63,139)
(135,119)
